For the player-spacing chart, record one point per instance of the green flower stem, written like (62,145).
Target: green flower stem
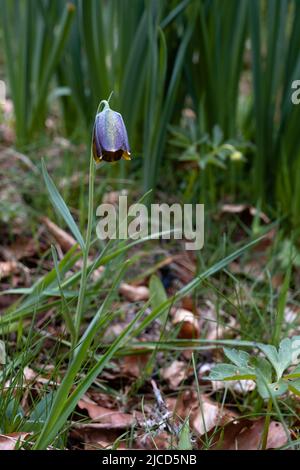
(82,289)
(266,425)
(83,281)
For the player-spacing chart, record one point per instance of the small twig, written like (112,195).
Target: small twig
(158,397)
(164,414)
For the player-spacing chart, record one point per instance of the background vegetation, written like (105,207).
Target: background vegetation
(204,87)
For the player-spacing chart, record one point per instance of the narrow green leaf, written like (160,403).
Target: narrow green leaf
(281,305)
(65,308)
(60,205)
(2,353)
(58,417)
(294,387)
(193,284)
(294,374)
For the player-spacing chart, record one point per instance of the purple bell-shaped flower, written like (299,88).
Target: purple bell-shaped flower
(110,141)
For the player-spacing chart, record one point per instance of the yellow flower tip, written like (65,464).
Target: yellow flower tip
(97,157)
(126,156)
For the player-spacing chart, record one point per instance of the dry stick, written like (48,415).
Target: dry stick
(158,397)
(163,409)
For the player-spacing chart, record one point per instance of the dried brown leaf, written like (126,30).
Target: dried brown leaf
(134,365)
(247,212)
(189,324)
(7,268)
(134,293)
(10,441)
(246,435)
(210,324)
(64,239)
(107,418)
(21,248)
(204,415)
(253,268)
(174,373)
(209,415)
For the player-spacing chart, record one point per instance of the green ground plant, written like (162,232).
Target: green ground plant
(204,87)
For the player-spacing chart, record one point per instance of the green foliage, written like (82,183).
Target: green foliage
(34,35)
(52,415)
(215,162)
(160,57)
(61,207)
(274,29)
(261,369)
(214,62)
(158,294)
(206,150)
(184,437)
(2,353)
(164,60)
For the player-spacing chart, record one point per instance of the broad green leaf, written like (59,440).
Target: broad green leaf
(157,293)
(271,353)
(262,387)
(184,437)
(14,412)
(295,350)
(60,205)
(279,360)
(285,354)
(278,388)
(263,371)
(263,376)
(42,408)
(230,372)
(264,367)
(238,357)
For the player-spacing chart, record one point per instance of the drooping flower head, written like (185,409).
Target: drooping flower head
(110,141)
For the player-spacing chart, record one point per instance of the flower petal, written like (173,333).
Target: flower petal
(110,140)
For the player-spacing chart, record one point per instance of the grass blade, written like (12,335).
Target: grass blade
(60,205)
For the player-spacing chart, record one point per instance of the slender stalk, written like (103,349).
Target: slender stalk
(82,289)
(83,280)
(266,425)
